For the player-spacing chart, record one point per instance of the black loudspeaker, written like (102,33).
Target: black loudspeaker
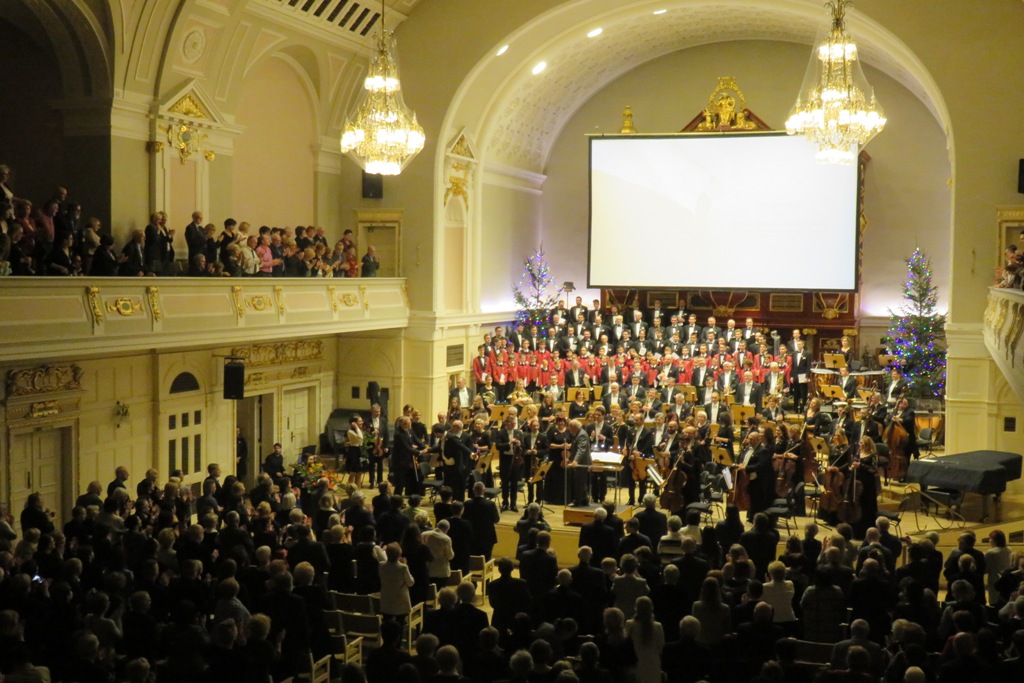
(234,381)
(1020,177)
(373,186)
(373,392)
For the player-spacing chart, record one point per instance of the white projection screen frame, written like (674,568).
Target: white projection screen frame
(720,211)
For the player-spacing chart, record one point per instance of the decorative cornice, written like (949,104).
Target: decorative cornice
(277,354)
(44,379)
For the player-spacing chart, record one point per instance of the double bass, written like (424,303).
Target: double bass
(897,438)
(849,509)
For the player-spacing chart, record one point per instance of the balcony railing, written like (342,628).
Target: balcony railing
(63,317)
(1004,334)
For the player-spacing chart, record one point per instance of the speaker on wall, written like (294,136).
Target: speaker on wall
(234,380)
(373,186)
(1020,177)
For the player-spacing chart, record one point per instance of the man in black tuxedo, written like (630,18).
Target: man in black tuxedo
(757,461)
(715,330)
(791,344)
(904,414)
(539,567)
(866,427)
(775,381)
(579,308)
(749,333)
(719,413)
(749,393)
(406,450)
(456,450)
(615,330)
(482,516)
(507,596)
(692,328)
(640,444)
(509,442)
(897,385)
(613,396)
(700,372)
(377,426)
(634,539)
(600,537)
(463,392)
(727,380)
(462,535)
(535,451)
(575,376)
(636,390)
(800,375)
(848,383)
(589,582)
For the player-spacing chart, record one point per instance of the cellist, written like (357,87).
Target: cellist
(904,415)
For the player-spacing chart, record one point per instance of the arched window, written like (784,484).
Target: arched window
(186,381)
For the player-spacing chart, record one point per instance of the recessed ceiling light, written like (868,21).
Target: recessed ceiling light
(502,50)
(595,33)
(660,11)
(540,66)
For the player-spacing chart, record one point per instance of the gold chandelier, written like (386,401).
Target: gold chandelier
(383,136)
(831,109)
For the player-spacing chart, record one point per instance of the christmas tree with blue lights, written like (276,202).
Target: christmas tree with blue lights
(917,336)
(533,301)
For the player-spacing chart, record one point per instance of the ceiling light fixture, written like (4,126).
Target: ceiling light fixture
(831,109)
(382,135)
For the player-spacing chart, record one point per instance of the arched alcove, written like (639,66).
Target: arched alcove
(274,160)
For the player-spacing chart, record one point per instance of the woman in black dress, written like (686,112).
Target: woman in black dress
(866,466)
(554,482)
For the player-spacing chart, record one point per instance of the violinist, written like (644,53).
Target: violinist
(877,408)
(652,407)
(691,463)
(719,413)
(481,443)
(844,421)
(640,444)
(787,459)
(701,445)
(667,450)
(535,452)
(866,465)
(841,450)
(546,412)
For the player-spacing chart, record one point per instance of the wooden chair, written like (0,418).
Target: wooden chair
(415,624)
(319,671)
(480,572)
(455,578)
(813,653)
(430,604)
(364,626)
(335,625)
(353,602)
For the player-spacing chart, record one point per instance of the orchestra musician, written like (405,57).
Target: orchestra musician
(867,426)
(535,452)
(866,464)
(602,437)
(772,411)
(800,375)
(407,450)
(456,454)
(775,381)
(559,443)
(896,387)
(481,441)
(519,395)
(749,392)
(719,413)
(904,415)
(546,412)
(640,444)
(848,383)
(509,443)
(844,420)
(757,461)
(815,420)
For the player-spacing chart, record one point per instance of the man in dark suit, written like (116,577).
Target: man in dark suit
(800,375)
(133,258)
(578,309)
(749,392)
(461,533)
(509,443)
(538,567)
(640,444)
(306,549)
(634,539)
(757,460)
(377,426)
(589,582)
(613,396)
(653,523)
(896,386)
(287,614)
(614,521)
(761,543)
(599,537)
(691,328)
(700,372)
(905,416)
(692,569)
(406,450)
(507,595)
(463,392)
(711,330)
(791,344)
(195,236)
(719,413)
(469,620)
(575,376)
(482,515)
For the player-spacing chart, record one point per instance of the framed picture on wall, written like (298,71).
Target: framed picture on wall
(1010,220)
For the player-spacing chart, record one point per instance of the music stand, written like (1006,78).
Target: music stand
(741,413)
(834,361)
(729,399)
(865,394)
(499,413)
(721,455)
(539,478)
(832,392)
(820,446)
(597,393)
(886,360)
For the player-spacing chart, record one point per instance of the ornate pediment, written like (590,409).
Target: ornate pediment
(190,102)
(726,111)
(44,379)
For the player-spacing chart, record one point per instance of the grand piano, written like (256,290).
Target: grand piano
(982,472)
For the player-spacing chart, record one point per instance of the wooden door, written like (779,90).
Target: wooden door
(295,417)
(384,238)
(36,459)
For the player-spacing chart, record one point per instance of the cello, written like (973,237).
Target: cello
(896,437)
(849,510)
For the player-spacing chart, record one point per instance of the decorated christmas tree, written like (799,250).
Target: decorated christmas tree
(531,294)
(917,335)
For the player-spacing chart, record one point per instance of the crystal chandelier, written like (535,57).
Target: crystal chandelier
(831,109)
(382,136)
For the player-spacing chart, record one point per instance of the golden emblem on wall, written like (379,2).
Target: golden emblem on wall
(727,108)
(366,300)
(44,379)
(154,302)
(279,296)
(236,297)
(93,294)
(124,306)
(277,354)
(259,302)
(255,379)
(44,409)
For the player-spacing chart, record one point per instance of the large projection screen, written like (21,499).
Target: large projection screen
(725,211)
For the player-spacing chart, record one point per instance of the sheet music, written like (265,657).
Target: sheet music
(727,476)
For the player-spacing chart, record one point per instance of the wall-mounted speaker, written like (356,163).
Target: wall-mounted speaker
(234,381)
(1020,177)
(373,186)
